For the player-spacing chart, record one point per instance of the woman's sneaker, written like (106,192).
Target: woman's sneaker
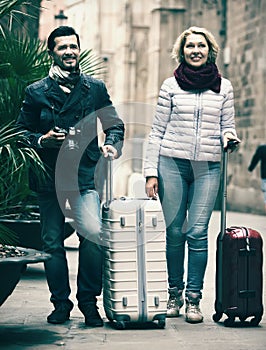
(175,302)
(193,313)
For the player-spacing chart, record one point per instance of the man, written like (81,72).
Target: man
(52,106)
(260,156)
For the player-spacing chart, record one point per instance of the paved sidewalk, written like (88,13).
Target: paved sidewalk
(23,315)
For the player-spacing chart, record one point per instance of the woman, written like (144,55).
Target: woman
(194,116)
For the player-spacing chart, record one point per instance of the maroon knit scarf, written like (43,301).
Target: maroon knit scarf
(204,78)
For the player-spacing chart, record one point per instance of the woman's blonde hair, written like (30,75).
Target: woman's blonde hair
(178,49)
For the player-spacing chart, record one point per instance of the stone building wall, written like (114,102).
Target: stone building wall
(246,39)
(239,27)
(48,12)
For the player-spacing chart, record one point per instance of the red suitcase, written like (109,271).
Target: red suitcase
(238,269)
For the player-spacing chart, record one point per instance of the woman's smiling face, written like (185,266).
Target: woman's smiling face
(196,50)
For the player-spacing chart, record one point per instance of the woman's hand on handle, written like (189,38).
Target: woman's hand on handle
(228,136)
(152,187)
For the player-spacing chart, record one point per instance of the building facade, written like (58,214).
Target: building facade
(135,39)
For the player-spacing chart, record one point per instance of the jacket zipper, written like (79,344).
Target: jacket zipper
(53,114)
(197,117)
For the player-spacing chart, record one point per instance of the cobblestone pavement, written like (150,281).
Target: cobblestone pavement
(23,315)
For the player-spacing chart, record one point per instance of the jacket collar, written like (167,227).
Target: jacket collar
(50,83)
(53,91)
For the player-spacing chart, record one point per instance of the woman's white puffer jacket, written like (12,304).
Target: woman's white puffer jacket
(189,124)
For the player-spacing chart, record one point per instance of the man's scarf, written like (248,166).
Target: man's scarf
(206,77)
(64,78)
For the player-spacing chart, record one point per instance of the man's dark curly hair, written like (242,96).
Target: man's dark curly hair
(61,31)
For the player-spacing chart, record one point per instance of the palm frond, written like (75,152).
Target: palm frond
(7,236)
(92,64)
(15,162)
(23,61)
(7,6)
(11,96)
(27,58)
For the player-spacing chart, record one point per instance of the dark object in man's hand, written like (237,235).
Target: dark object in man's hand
(60,130)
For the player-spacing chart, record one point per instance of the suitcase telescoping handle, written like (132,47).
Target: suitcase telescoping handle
(231,146)
(109,180)
(220,246)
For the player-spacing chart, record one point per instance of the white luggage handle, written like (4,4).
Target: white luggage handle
(109,180)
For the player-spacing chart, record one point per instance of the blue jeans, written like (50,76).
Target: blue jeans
(263,188)
(187,190)
(86,213)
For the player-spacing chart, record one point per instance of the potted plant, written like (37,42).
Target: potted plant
(14,164)
(13,262)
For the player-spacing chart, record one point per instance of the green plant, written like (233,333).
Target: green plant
(9,10)
(92,64)
(14,165)
(23,61)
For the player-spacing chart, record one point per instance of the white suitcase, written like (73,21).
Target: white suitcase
(135,277)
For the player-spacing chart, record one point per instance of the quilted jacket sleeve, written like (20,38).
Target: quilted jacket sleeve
(161,119)
(228,111)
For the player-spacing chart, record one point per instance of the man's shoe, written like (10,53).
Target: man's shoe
(175,302)
(61,312)
(92,316)
(193,313)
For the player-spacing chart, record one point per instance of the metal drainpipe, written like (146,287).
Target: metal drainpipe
(223,31)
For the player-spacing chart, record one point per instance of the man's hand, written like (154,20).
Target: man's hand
(109,150)
(152,187)
(52,139)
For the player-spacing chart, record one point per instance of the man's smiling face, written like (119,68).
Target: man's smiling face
(66,52)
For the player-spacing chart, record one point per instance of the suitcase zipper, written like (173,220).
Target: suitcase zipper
(142,293)
(246,252)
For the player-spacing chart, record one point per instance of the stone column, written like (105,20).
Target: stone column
(167,22)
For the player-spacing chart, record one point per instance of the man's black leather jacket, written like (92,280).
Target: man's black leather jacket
(46,106)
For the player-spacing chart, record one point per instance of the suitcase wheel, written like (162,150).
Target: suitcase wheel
(255,321)
(242,319)
(217,316)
